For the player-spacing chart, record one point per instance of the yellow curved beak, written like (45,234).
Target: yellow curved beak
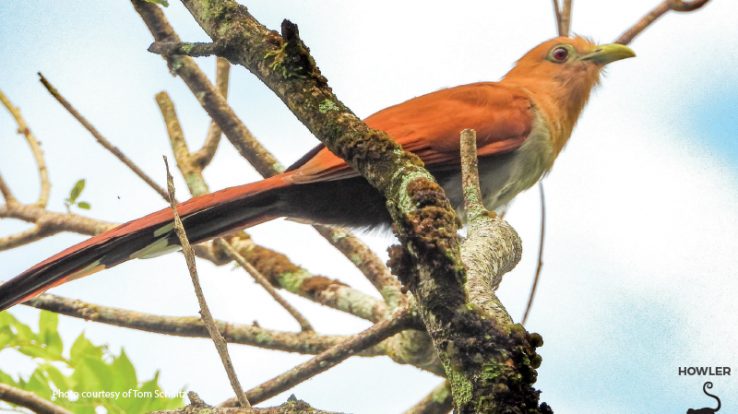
(604,54)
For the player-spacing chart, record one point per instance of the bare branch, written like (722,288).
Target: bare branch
(687,6)
(261,280)
(204,155)
(5,191)
(207,317)
(557,15)
(193,327)
(563,17)
(29,400)
(437,401)
(38,154)
(330,358)
(30,235)
(213,102)
(492,248)
(46,223)
(539,266)
(566,18)
(655,14)
(101,139)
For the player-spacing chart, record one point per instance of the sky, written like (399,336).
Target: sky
(641,251)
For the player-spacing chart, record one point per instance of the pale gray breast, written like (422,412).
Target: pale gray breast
(502,177)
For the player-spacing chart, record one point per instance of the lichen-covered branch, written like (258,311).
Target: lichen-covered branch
(438,401)
(210,99)
(424,221)
(38,154)
(193,49)
(367,262)
(29,400)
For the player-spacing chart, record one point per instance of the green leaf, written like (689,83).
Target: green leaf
(83,347)
(57,378)
(47,322)
(84,205)
(124,373)
(6,337)
(39,385)
(6,319)
(23,331)
(34,351)
(7,379)
(74,194)
(48,333)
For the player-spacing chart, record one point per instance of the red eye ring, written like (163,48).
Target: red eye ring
(560,54)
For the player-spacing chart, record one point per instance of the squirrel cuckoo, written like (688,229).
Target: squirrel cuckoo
(522,123)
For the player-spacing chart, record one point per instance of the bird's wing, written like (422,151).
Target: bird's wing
(430,125)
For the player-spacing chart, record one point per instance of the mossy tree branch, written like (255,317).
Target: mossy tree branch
(424,221)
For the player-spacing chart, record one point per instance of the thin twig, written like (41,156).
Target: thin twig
(261,280)
(197,186)
(5,191)
(204,155)
(557,15)
(193,49)
(101,139)
(655,14)
(330,358)
(48,222)
(438,401)
(207,317)
(566,18)
(539,266)
(292,406)
(193,327)
(29,400)
(38,154)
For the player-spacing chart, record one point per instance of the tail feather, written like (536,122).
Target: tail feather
(204,217)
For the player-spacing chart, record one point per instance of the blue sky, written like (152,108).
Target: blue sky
(640,270)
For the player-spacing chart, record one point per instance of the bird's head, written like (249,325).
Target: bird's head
(561,72)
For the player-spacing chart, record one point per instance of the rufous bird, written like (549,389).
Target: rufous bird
(522,123)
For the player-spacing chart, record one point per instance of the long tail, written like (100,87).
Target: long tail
(204,217)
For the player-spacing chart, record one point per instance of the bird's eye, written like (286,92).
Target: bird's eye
(560,54)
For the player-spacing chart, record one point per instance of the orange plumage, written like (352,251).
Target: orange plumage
(522,123)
